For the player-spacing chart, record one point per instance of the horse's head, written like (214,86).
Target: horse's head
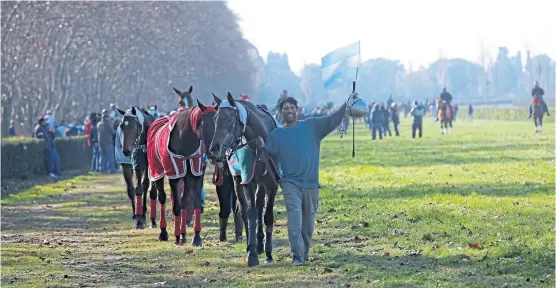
(227,129)
(206,123)
(131,126)
(185,95)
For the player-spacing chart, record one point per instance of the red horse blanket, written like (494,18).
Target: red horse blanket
(162,161)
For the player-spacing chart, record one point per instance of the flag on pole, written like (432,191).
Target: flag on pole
(342,63)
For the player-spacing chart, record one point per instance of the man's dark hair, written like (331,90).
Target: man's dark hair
(290,100)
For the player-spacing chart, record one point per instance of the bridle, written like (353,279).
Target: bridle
(138,129)
(235,144)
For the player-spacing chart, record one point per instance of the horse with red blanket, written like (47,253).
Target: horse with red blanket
(176,144)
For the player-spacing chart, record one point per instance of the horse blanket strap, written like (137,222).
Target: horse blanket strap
(162,161)
(218,176)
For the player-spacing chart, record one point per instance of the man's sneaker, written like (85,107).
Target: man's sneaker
(298,262)
(52,175)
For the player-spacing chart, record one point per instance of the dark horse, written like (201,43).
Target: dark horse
(445,116)
(538,115)
(234,121)
(134,126)
(176,145)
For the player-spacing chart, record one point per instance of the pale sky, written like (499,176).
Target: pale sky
(408,30)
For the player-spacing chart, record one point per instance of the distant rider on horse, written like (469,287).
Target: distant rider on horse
(447,98)
(537,94)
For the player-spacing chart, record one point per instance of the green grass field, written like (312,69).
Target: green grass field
(472,209)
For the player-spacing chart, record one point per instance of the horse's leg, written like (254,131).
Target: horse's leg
(184,187)
(195,188)
(450,129)
(152,204)
(162,199)
(249,207)
(271,190)
(239,220)
(139,215)
(127,172)
(176,208)
(259,198)
(224,193)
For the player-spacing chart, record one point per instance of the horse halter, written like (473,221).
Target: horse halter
(138,128)
(229,134)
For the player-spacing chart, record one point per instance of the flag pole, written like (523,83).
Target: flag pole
(353,91)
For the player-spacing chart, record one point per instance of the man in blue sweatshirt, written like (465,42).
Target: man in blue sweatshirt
(296,145)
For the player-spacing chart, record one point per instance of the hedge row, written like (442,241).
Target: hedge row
(25,157)
(504,114)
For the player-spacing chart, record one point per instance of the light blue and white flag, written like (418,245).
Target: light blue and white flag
(342,63)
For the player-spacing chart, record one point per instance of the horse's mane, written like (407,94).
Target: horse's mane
(182,121)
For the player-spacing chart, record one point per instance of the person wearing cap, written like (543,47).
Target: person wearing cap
(53,160)
(296,146)
(153,111)
(244,97)
(106,135)
(537,93)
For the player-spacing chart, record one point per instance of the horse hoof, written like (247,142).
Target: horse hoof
(268,260)
(163,236)
(223,238)
(197,241)
(153,226)
(239,238)
(252,261)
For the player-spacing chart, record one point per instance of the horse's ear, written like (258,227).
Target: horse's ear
(177,91)
(190,89)
(133,111)
(122,112)
(201,106)
(231,100)
(216,99)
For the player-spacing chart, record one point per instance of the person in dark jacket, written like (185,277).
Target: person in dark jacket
(377,118)
(395,117)
(470,113)
(417,112)
(385,121)
(446,96)
(11,129)
(537,93)
(53,160)
(106,136)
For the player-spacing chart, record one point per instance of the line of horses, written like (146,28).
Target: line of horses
(174,147)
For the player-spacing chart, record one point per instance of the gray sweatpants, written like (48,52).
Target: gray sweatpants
(301,205)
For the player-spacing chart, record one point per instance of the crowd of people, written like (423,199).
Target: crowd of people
(100,128)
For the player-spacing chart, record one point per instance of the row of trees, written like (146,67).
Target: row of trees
(77,57)
(503,80)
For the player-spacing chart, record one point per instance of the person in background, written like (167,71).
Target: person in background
(417,112)
(385,121)
(395,117)
(244,97)
(11,129)
(114,114)
(537,93)
(434,111)
(376,121)
(153,111)
(53,160)
(456,109)
(106,136)
(389,101)
(71,130)
(92,140)
(61,129)
(50,120)
(446,96)
(470,113)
